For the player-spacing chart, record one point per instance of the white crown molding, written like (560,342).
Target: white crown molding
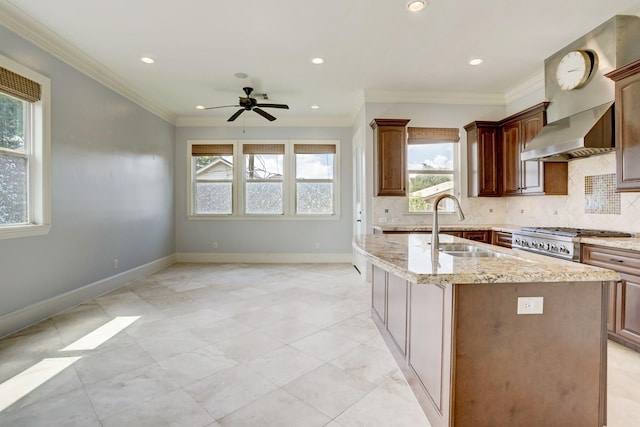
(200,121)
(426,97)
(22,24)
(529,86)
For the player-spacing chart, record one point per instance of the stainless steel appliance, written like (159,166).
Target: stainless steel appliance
(559,242)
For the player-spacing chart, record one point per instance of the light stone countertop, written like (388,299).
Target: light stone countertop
(629,243)
(445,227)
(409,257)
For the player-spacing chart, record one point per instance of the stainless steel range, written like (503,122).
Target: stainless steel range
(560,242)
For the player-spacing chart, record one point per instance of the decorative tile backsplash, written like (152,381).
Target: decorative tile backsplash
(600,195)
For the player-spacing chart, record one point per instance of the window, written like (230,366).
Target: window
(264,179)
(24,151)
(274,179)
(213,165)
(314,178)
(432,154)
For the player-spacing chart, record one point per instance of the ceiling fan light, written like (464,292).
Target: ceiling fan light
(416,6)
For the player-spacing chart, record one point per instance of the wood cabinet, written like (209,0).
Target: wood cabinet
(389,140)
(494,165)
(518,131)
(478,236)
(483,159)
(501,238)
(627,125)
(624,296)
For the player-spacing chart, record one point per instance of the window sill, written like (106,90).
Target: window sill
(263,218)
(18,231)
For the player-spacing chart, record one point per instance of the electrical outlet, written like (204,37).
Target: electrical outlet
(530,305)
(215,245)
(115,263)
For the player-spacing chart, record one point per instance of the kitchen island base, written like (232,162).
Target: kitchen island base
(471,360)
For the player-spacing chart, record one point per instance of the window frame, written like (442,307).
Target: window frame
(38,151)
(297,180)
(289,182)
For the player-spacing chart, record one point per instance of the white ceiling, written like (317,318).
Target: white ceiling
(374,49)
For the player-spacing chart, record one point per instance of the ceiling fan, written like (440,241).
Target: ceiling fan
(250,104)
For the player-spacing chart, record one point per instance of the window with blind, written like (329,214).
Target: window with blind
(274,179)
(315,166)
(24,154)
(213,178)
(432,156)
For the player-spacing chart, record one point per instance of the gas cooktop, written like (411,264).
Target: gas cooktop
(575,232)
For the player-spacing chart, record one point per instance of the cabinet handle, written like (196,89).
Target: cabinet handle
(616,260)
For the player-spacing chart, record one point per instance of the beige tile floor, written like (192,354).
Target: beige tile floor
(235,345)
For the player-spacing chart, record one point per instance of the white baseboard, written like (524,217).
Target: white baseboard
(27,316)
(265,258)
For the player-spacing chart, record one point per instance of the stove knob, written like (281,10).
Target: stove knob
(546,246)
(554,248)
(517,241)
(535,244)
(563,249)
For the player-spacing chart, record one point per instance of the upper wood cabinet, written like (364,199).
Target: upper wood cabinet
(389,141)
(518,131)
(627,112)
(494,165)
(483,159)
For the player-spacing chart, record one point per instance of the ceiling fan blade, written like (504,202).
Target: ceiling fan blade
(221,106)
(284,106)
(235,115)
(264,114)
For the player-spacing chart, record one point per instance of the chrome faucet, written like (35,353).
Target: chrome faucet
(435,240)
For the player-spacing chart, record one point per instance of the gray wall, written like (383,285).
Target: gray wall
(263,236)
(111,188)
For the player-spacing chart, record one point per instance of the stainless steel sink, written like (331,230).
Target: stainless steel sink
(470,251)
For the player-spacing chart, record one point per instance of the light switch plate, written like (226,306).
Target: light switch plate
(530,305)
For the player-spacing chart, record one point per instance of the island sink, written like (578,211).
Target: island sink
(469,251)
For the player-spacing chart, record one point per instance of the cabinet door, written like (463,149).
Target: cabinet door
(501,238)
(628,309)
(390,145)
(488,161)
(532,171)
(511,158)
(612,294)
(397,292)
(627,128)
(379,293)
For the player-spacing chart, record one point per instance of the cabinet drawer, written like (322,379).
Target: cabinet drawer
(619,260)
(478,236)
(501,238)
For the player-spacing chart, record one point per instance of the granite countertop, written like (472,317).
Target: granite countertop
(446,227)
(629,243)
(409,256)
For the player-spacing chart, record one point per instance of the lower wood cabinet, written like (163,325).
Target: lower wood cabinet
(501,238)
(623,317)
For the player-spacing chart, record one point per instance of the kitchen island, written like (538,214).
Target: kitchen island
(452,324)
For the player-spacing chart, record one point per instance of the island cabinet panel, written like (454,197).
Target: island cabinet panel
(623,319)
(525,370)
(379,293)
(397,294)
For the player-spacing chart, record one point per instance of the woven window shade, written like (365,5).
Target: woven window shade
(432,135)
(314,149)
(263,149)
(212,150)
(21,87)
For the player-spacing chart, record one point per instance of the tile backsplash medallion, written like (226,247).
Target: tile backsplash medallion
(594,205)
(600,195)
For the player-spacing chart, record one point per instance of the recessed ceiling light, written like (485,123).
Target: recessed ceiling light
(241,75)
(147,60)
(315,107)
(415,6)
(317,61)
(476,61)
(200,107)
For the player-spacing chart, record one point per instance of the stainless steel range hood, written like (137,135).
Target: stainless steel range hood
(580,135)
(580,122)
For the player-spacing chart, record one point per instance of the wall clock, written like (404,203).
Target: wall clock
(575,68)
